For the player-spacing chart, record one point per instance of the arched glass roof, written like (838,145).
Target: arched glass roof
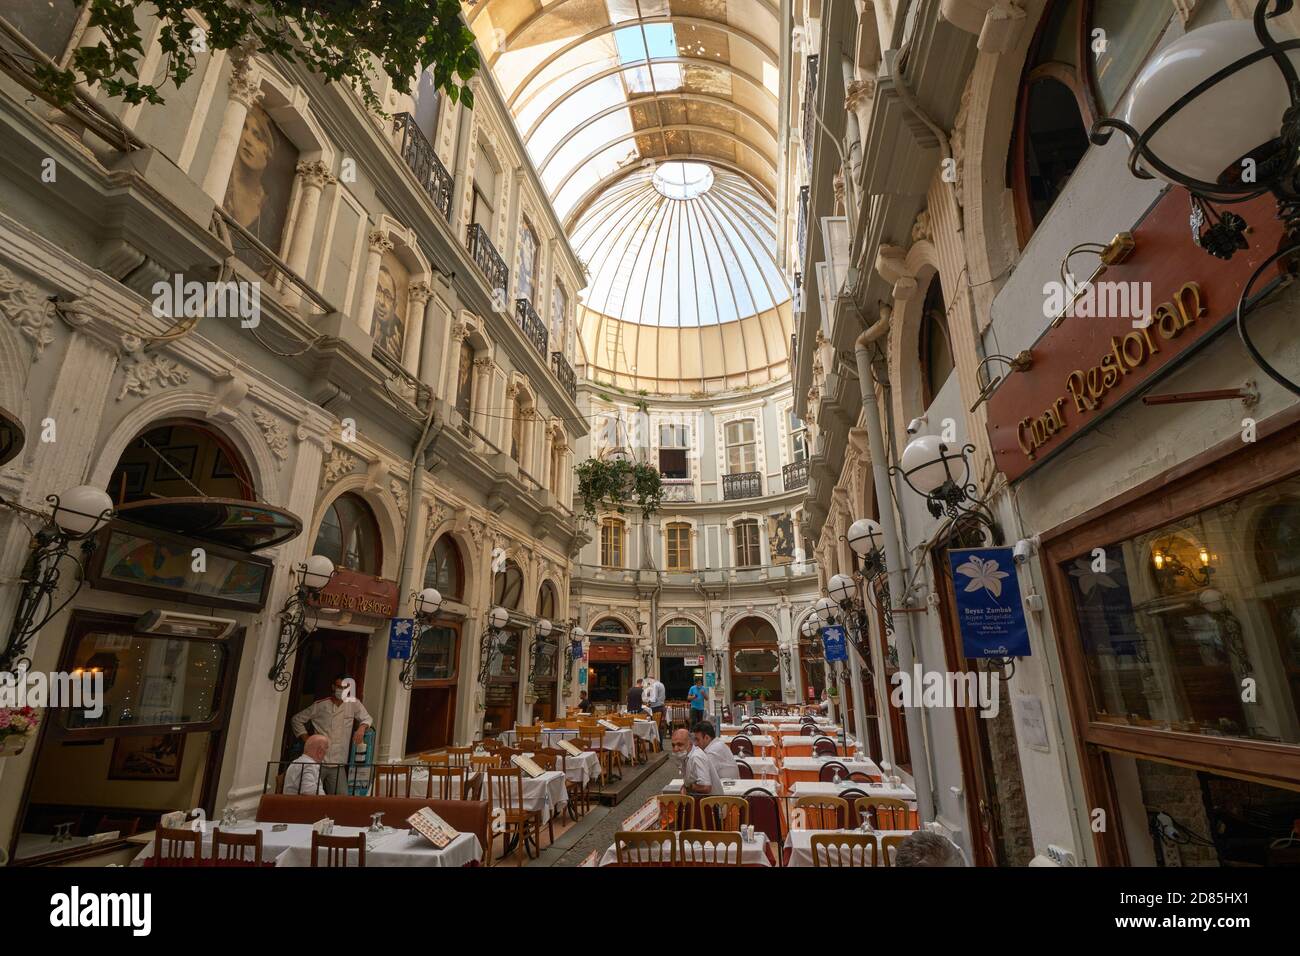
(653,128)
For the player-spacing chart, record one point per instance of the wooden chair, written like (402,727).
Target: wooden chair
(888,842)
(228,849)
(391,781)
(817,811)
(478,763)
(445,783)
(437,758)
(894,817)
(843,849)
(506,791)
(459,756)
(472,787)
(577,791)
(528,738)
(708,848)
(676,811)
(723,813)
(611,761)
(548,761)
(490,744)
(336,849)
(645,848)
(169,847)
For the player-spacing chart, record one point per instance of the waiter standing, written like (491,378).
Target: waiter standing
(335,716)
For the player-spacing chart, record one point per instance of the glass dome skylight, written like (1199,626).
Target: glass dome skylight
(680,244)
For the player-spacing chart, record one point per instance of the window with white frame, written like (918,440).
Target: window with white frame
(742,450)
(798,437)
(749,552)
(559,311)
(674,443)
(485,190)
(677,546)
(611,542)
(528,248)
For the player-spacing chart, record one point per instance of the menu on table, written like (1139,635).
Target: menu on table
(608,725)
(569,748)
(432,827)
(528,765)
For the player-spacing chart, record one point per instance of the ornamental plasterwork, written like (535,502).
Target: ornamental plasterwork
(957,143)
(435,513)
(402,495)
(277,439)
(150,371)
(29,311)
(921,228)
(339,464)
(476,530)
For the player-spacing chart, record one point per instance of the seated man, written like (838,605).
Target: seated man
(717,752)
(303,775)
(585,704)
(923,848)
(699,775)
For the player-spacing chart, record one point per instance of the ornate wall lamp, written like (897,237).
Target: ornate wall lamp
(490,644)
(1167,562)
(866,540)
(73,519)
(941,475)
(1217,112)
(787,661)
(312,575)
(576,634)
(542,645)
(427,604)
(646,647)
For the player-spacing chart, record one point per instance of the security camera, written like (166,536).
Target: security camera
(1023,551)
(915,425)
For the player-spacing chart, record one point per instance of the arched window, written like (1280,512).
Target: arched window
(517,430)
(935,345)
(508,586)
(1080,64)
(609,625)
(677,546)
(349,535)
(445,570)
(546,603)
(749,554)
(528,246)
(611,542)
(180,458)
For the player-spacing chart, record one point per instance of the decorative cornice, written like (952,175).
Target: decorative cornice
(379,241)
(339,464)
(27,309)
(315,173)
(277,439)
(149,371)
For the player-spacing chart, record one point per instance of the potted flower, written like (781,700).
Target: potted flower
(17,726)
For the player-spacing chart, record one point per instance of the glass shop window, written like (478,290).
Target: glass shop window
(1181,617)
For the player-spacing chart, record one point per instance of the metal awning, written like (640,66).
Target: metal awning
(244,525)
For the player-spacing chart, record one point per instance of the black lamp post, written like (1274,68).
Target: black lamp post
(427,604)
(312,575)
(941,475)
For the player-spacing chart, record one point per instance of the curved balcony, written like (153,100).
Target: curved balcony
(487,259)
(747,484)
(419,156)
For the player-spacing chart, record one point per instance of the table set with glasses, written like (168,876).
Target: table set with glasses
(799,849)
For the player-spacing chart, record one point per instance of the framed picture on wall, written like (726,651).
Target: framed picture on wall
(155,757)
(176,463)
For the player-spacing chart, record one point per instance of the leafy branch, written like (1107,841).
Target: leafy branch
(615,482)
(340,40)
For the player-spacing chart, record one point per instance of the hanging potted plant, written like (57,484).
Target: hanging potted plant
(615,482)
(17,726)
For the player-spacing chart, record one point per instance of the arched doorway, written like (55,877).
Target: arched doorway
(609,660)
(431,716)
(348,534)
(501,695)
(755,661)
(544,662)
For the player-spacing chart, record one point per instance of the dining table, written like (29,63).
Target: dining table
(795,769)
(762,766)
(763,743)
(799,843)
(799,745)
(730,788)
(289,844)
(620,739)
(540,793)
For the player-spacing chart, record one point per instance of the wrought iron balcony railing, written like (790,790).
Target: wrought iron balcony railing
(419,155)
(795,475)
(564,372)
(747,484)
(678,492)
(810,111)
(531,324)
(803,228)
(487,259)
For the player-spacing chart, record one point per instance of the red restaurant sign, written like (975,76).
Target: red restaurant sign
(360,594)
(1085,368)
(617,652)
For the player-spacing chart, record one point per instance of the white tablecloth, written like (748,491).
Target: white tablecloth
(731,788)
(806,741)
(620,740)
(738,728)
(536,789)
(760,742)
(804,788)
(292,846)
(762,766)
(751,853)
(646,729)
(799,842)
(815,764)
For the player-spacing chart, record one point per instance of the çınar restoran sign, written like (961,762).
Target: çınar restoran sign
(1085,368)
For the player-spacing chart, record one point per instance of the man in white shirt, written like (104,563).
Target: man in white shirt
(719,754)
(699,775)
(335,717)
(652,695)
(303,775)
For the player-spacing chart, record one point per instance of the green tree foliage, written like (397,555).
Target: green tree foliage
(615,482)
(338,39)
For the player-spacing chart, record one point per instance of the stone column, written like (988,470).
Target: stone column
(313,176)
(482,389)
(379,244)
(245,90)
(548,450)
(786,639)
(417,298)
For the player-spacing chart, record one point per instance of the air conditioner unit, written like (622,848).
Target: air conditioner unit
(176,624)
